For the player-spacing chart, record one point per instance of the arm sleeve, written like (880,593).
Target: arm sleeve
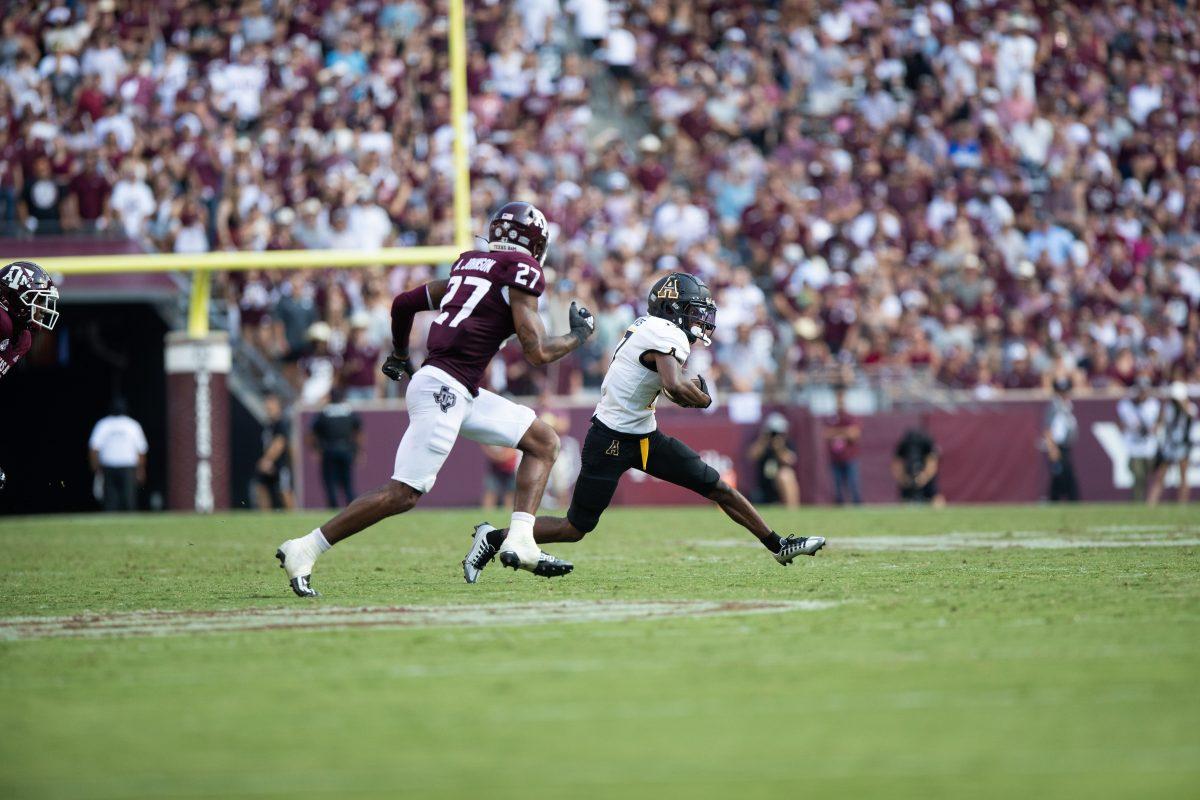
(404,308)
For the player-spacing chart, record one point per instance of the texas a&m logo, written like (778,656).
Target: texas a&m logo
(614,449)
(445,399)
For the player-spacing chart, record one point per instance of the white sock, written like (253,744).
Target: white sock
(315,542)
(520,528)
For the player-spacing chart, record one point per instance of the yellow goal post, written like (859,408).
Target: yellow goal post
(202,265)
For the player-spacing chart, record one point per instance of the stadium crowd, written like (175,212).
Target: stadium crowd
(993,194)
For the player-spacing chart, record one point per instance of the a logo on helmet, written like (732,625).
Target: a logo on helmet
(670,289)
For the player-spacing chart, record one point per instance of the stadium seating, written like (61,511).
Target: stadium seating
(978,199)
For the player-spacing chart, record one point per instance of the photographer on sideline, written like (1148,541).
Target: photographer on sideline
(775,461)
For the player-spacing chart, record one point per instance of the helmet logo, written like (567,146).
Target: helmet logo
(18,277)
(669,290)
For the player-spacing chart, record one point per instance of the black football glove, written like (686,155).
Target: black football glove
(397,366)
(583,324)
(703,386)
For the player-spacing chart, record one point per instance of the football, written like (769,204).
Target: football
(677,401)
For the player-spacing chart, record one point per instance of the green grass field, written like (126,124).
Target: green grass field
(973,652)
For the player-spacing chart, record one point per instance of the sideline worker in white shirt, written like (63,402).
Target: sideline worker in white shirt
(1138,413)
(117,452)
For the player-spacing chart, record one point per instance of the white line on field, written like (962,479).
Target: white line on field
(1168,536)
(309,617)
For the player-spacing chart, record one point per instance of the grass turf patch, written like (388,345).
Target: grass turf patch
(964,671)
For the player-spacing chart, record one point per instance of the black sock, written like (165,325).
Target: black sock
(496,538)
(773,542)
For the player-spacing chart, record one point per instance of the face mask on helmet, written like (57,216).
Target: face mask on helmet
(700,320)
(43,306)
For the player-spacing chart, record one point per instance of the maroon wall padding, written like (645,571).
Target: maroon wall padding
(990,453)
(198,430)
(182,452)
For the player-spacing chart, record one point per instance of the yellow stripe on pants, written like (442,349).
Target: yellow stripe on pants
(645,445)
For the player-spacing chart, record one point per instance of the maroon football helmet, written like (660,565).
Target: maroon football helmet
(28,294)
(519,227)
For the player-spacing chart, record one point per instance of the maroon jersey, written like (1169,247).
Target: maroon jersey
(11,348)
(475,316)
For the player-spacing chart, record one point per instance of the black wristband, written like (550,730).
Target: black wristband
(579,334)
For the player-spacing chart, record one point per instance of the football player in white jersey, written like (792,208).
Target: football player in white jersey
(649,361)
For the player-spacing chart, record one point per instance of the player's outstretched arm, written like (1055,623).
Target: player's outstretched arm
(405,307)
(542,349)
(689,394)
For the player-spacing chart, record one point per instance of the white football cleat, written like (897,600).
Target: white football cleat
(480,554)
(523,553)
(794,546)
(298,562)
(520,550)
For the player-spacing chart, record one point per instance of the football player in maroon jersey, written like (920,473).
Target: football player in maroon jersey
(490,295)
(28,300)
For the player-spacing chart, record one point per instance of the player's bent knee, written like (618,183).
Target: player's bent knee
(400,497)
(721,492)
(580,524)
(540,442)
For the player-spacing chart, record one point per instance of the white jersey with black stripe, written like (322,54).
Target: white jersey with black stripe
(630,390)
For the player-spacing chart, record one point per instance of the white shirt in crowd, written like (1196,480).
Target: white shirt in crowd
(591,18)
(621,48)
(108,63)
(119,441)
(134,203)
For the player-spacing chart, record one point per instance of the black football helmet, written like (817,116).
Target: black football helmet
(519,227)
(28,294)
(686,301)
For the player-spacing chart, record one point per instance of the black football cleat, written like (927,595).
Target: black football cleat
(480,554)
(798,546)
(547,566)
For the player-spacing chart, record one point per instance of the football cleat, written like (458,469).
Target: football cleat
(794,546)
(547,566)
(298,566)
(480,554)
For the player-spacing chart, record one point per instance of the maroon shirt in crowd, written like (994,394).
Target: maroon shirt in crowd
(842,449)
(91,190)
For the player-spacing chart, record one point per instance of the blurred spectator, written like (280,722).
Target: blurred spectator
(1177,435)
(117,453)
(273,473)
(337,437)
(361,377)
(566,466)
(1059,434)
(1138,414)
(318,368)
(500,479)
(915,468)
(842,433)
(775,463)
